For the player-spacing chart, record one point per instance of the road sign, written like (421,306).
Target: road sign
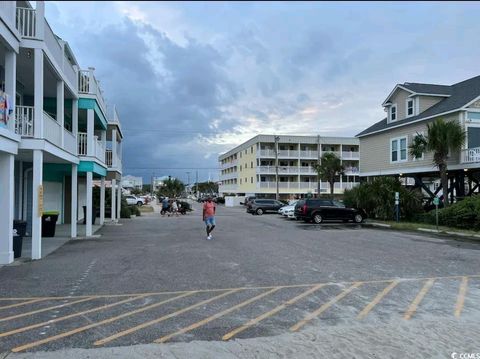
(436,201)
(397,196)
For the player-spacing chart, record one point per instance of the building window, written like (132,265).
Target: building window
(251,164)
(245,151)
(410,104)
(251,150)
(246,180)
(240,181)
(240,154)
(393,113)
(240,167)
(398,148)
(251,179)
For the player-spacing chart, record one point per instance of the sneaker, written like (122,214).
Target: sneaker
(209,237)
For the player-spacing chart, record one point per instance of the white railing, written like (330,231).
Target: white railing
(286,169)
(227,176)
(52,131)
(70,72)
(26,22)
(24,120)
(70,142)
(99,149)
(345,185)
(293,185)
(471,155)
(267,153)
(82,143)
(350,155)
(309,154)
(308,170)
(288,153)
(227,188)
(109,158)
(8,11)
(351,171)
(229,164)
(88,84)
(336,153)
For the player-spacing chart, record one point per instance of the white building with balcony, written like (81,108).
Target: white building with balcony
(251,168)
(53,142)
(132,182)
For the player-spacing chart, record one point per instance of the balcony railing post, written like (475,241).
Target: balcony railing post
(40,20)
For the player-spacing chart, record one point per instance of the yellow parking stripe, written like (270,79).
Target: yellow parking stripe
(161,319)
(44,309)
(93,325)
(377,299)
(215,316)
(20,304)
(271,312)
(461,296)
(324,307)
(48,322)
(414,305)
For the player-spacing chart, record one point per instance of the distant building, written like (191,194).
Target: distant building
(132,182)
(158,182)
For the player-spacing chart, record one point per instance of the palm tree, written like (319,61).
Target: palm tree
(329,169)
(172,187)
(442,138)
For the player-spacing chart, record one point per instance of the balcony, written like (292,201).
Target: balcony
(309,154)
(471,155)
(227,176)
(350,155)
(308,186)
(281,169)
(266,153)
(27,24)
(98,150)
(89,85)
(112,160)
(352,171)
(24,121)
(229,164)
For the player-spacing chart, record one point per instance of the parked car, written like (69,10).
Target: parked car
(285,209)
(290,213)
(135,200)
(317,210)
(261,206)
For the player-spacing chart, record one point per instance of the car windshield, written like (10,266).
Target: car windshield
(338,204)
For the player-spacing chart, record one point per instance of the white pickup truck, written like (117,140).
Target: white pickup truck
(135,200)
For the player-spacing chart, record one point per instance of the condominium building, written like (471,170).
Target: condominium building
(250,168)
(56,134)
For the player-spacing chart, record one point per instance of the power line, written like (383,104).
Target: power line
(171,168)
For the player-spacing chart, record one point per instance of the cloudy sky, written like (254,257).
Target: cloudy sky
(192,80)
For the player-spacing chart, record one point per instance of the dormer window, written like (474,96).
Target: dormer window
(393,113)
(410,110)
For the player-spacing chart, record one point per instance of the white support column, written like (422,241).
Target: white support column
(74,196)
(90,133)
(114,198)
(119,198)
(61,109)
(10,84)
(40,20)
(75,117)
(102,201)
(36,210)
(7,204)
(114,148)
(38,93)
(89,203)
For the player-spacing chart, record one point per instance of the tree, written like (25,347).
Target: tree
(329,169)
(442,138)
(172,187)
(136,191)
(206,187)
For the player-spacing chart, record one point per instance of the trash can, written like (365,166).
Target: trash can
(20,226)
(49,223)
(17,244)
(94,214)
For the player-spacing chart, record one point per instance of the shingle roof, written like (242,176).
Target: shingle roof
(460,94)
(428,88)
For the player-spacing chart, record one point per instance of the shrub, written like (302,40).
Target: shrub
(463,214)
(134,210)
(221,200)
(377,199)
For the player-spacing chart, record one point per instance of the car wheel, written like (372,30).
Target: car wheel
(139,203)
(358,218)
(317,218)
(259,211)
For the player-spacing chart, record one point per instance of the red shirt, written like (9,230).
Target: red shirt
(209,209)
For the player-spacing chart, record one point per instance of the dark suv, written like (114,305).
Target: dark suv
(261,206)
(317,210)
(248,200)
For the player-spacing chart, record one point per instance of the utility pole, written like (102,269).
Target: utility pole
(196,184)
(318,164)
(188,179)
(151,183)
(277,138)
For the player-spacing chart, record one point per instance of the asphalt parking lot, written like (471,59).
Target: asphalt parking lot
(157,280)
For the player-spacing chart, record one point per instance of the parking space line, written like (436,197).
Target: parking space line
(216,316)
(414,305)
(45,309)
(275,310)
(51,321)
(163,318)
(461,296)
(324,307)
(23,303)
(96,324)
(376,300)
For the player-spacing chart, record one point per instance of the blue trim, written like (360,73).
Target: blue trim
(90,166)
(91,104)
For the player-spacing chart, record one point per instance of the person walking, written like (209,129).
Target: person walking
(209,216)
(174,207)
(164,206)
